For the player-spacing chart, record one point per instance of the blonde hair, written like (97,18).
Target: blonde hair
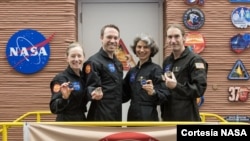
(72,45)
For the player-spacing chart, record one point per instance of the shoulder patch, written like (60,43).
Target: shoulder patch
(88,69)
(56,88)
(199,66)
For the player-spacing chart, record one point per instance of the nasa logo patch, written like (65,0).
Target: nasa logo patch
(132,77)
(111,68)
(193,18)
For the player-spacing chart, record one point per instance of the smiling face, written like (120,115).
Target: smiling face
(142,51)
(110,40)
(75,58)
(175,39)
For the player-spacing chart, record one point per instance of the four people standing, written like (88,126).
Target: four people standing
(146,85)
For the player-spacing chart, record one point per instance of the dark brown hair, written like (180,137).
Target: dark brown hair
(109,26)
(180,27)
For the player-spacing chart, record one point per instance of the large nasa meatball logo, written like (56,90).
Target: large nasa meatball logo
(28,51)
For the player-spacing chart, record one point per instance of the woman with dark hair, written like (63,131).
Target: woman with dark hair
(144,84)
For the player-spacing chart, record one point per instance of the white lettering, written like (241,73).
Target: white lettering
(43,52)
(34,51)
(235,132)
(185,132)
(14,51)
(24,52)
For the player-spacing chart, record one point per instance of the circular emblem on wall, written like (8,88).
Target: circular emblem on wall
(28,51)
(193,18)
(191,2)
(201,2)
(195,41)
(239,42)
(240,17)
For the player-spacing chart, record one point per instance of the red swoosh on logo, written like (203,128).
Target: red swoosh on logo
(37,45)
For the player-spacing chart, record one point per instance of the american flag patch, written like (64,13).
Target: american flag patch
(199,66)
